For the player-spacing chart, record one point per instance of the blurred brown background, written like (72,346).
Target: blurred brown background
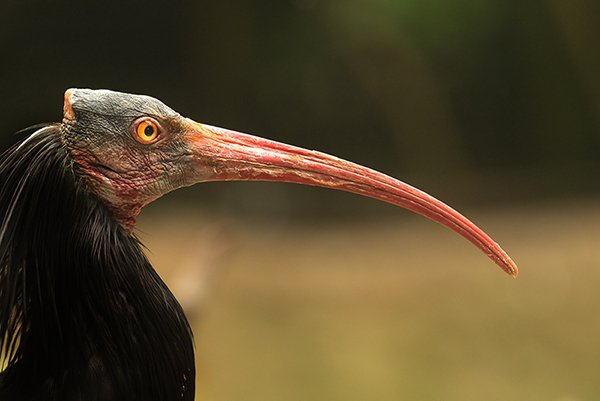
(300,293)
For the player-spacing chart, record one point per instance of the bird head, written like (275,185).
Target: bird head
(132,149)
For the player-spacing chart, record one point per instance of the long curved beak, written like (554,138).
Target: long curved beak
(224,155)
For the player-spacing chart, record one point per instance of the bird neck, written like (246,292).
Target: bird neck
(83,315)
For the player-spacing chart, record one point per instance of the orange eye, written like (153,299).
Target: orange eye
(146,131)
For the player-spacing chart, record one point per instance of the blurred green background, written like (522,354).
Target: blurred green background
(306,294)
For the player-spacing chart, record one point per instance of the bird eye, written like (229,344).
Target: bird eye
(146,130)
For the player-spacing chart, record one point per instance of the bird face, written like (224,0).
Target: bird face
(129,148)
(132,149)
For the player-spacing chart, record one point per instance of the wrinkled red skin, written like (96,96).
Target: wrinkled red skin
(123,198)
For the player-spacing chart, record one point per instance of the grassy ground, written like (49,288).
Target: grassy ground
(396,309)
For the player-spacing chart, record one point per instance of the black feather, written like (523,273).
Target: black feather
(83,315)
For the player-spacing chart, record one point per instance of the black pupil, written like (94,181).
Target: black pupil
(149,130)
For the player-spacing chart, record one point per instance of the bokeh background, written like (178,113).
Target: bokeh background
(300,293)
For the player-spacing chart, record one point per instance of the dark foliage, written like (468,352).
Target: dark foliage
(83,315)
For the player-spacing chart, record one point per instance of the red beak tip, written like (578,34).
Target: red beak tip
(510,267)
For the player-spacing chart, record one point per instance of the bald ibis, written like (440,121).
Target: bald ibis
(83,315)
